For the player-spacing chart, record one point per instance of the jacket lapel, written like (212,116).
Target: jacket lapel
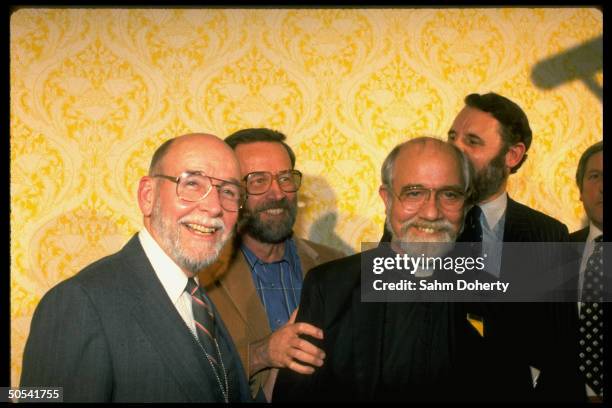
(516,229)
(240,289)
(164,327)
(516,226)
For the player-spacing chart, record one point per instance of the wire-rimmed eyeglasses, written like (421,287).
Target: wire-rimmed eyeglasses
(192,186)
(413,197)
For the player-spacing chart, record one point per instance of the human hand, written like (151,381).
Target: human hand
(284,348)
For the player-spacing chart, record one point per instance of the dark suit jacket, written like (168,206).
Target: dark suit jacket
(520,335)
(110,333)
(581,236)
(353,343)
(541,335)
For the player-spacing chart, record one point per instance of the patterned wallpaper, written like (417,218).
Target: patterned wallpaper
(94,91)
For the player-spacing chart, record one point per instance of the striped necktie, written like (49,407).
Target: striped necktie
(204,319)
(591,320)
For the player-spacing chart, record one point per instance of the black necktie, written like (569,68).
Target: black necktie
(472,231)
(591,320)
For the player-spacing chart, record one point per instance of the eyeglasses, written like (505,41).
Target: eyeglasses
(195,186)
(414,197)
(259,182)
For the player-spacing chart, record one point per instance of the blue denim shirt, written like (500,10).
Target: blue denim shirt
(278,283)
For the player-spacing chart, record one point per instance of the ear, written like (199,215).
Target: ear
(384,194)
(515,154)
(146,194)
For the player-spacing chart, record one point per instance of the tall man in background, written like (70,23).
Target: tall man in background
(534,340)
(589,178)
(135,326)
(261,277)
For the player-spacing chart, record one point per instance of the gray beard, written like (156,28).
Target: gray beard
(267,231)
(417,247)
(196,265)
(169,236)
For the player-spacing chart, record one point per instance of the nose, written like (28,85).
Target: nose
(275,191)
(429,210)
(458,141)
(211,204)
(601,185)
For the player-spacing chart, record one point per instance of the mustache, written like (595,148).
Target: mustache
(205,221)
(282,203)
(439,226)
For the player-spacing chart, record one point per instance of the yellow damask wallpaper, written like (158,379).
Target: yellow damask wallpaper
(94,91)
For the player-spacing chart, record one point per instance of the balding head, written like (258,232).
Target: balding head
(186,139)
(419,144)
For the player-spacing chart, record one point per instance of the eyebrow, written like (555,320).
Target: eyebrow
(230,180)
(446,187)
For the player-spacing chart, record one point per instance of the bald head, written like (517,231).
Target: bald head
(414,147)
(180,142)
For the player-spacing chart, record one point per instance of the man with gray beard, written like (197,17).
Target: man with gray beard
(260,276)
(136,326)
(394,351)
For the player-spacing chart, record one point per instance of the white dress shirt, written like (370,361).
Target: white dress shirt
(492,221)
(171,276)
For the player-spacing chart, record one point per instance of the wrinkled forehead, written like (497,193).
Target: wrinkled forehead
(263,156)
(427,164)
(210,156)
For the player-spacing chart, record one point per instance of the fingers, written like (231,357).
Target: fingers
(308,348)
(309,329)
(293,315)
(299,368)
(315,359)
(285,348)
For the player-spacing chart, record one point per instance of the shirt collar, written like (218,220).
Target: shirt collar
(494,210)
(171,276)
(252,259)
(594,232)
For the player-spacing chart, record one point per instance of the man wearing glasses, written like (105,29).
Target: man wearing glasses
(394,351)
(261,279)
(135,326)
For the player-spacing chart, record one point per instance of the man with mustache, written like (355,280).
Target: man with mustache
(394,351)
(261,275)
(135,326)
(532,342)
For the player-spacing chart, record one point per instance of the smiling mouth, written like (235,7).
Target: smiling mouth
(201,229)
(427,230)
(274,211)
